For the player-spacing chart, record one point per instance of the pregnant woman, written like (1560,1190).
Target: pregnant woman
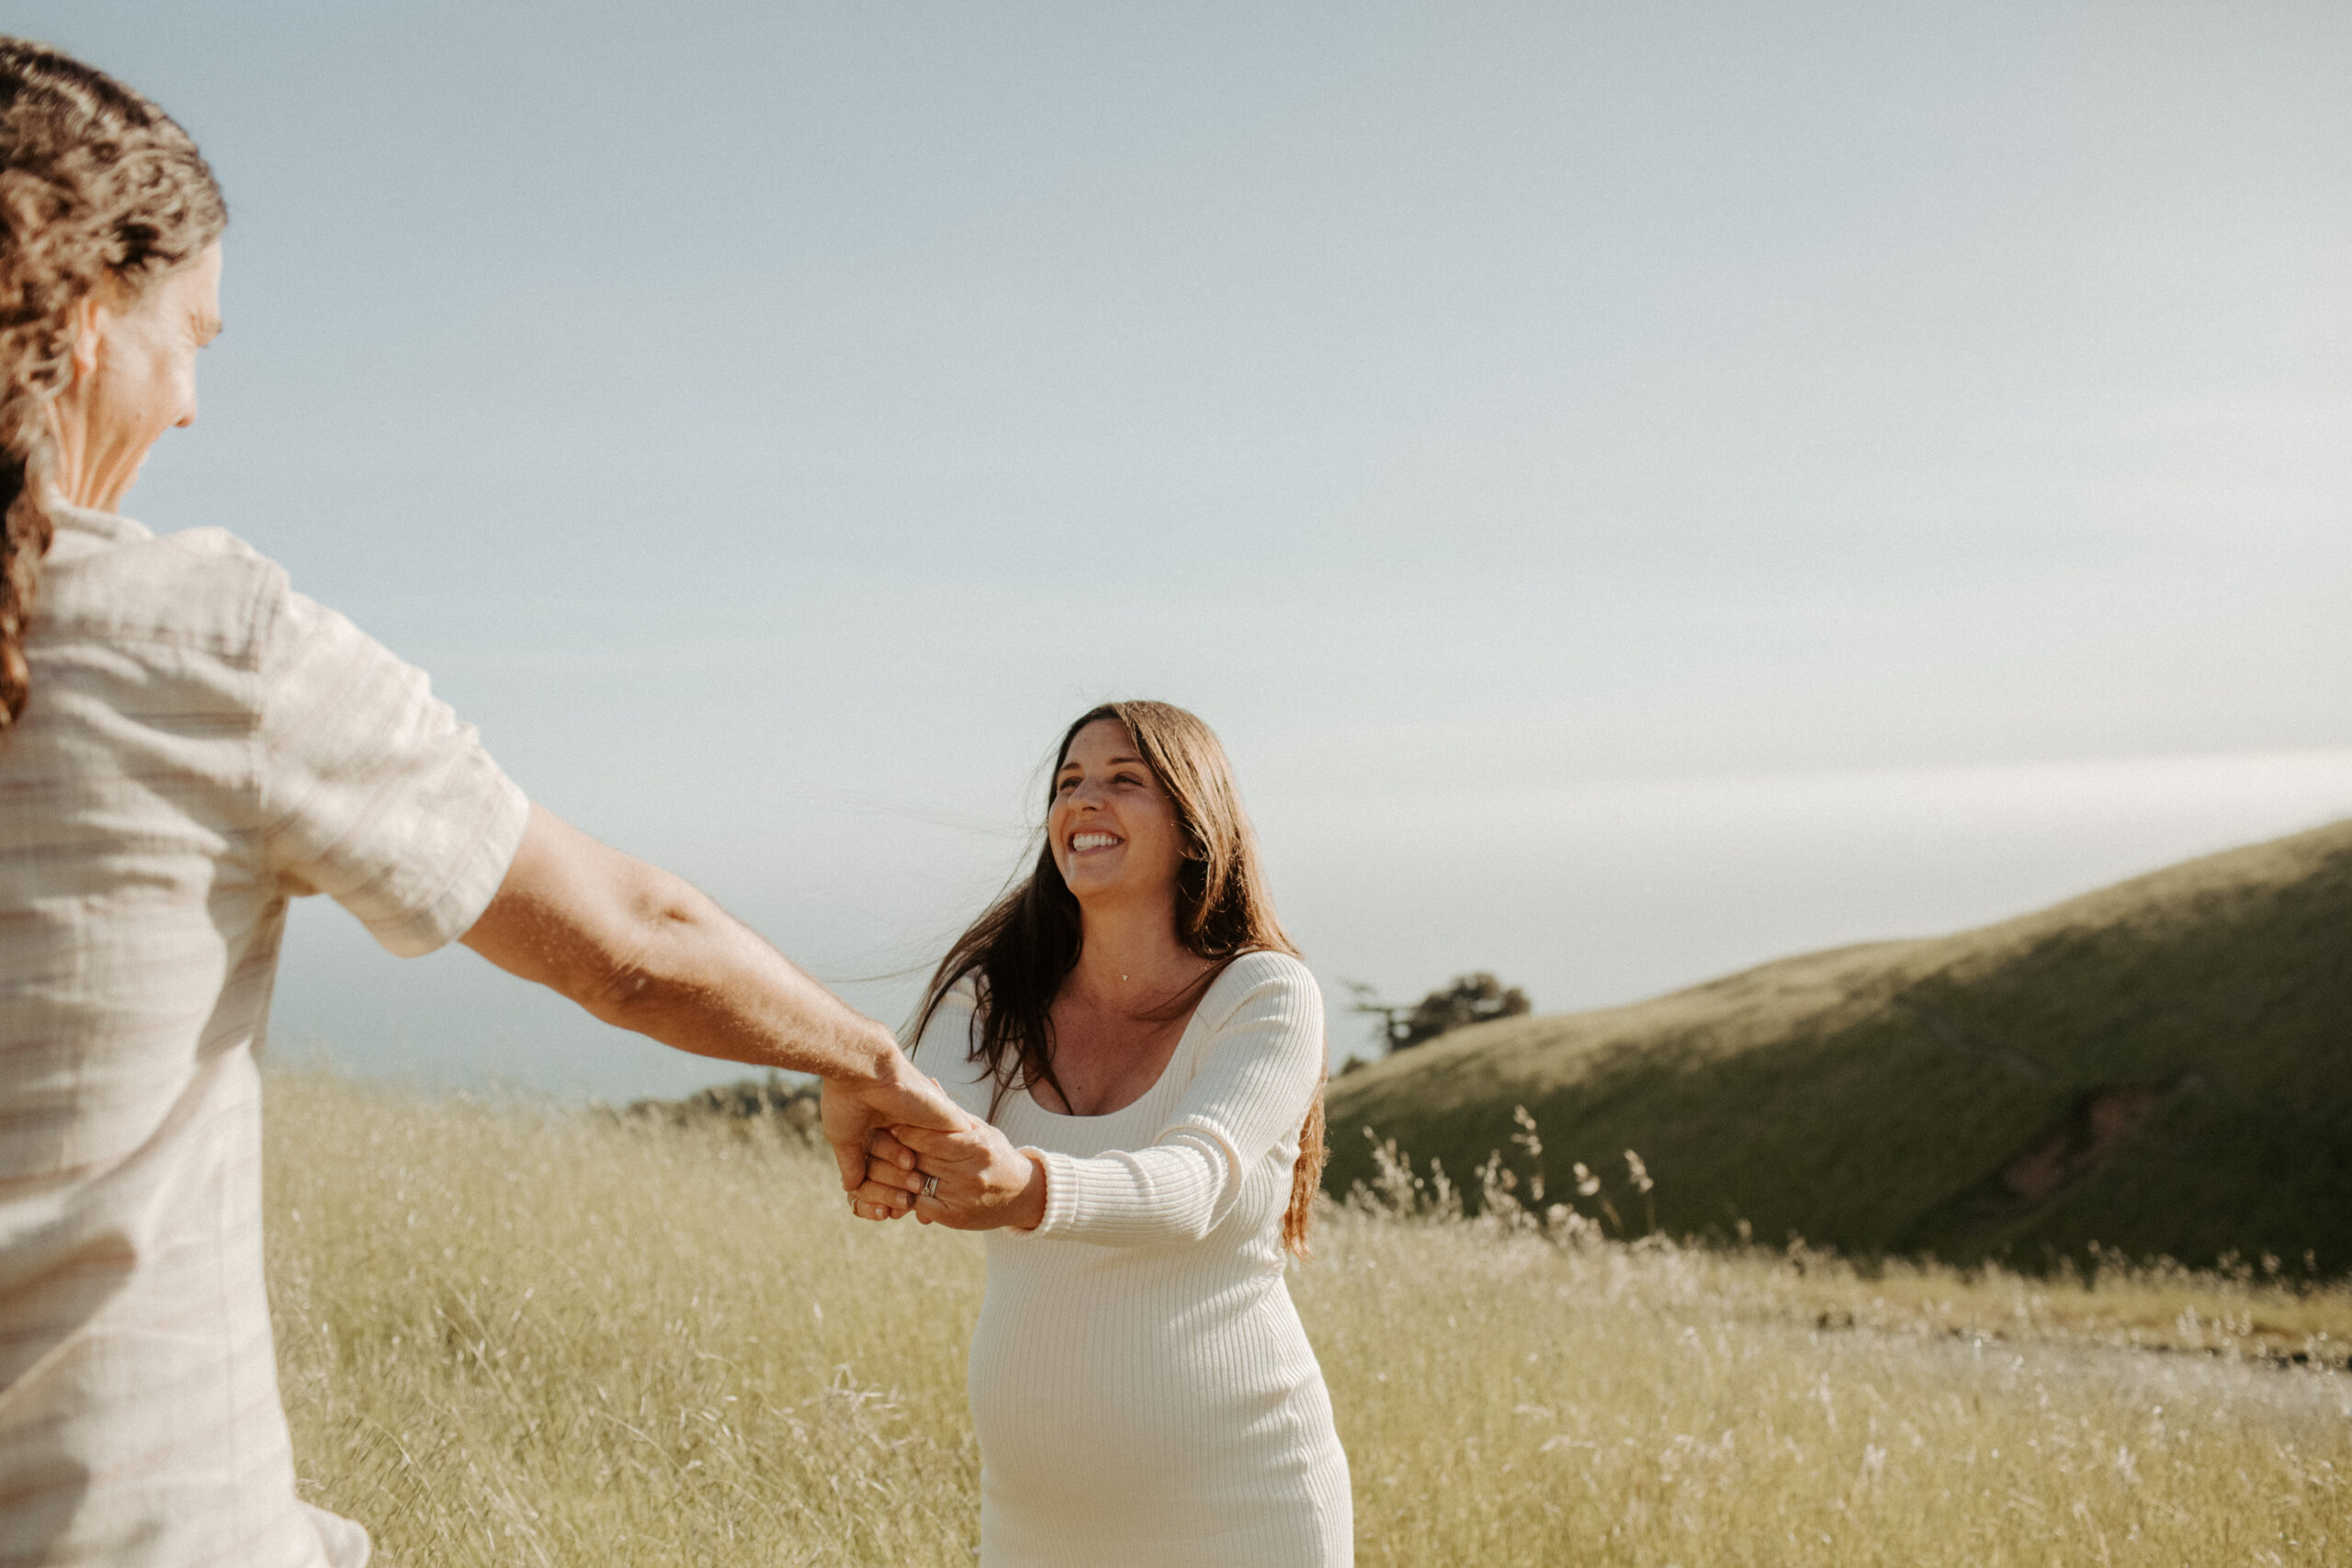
(1142,1056)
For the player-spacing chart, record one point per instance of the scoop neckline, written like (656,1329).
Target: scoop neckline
(1191,1019)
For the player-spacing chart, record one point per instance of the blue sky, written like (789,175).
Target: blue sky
(1639,489)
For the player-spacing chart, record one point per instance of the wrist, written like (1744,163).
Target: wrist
(882,1064)
(1029,1209)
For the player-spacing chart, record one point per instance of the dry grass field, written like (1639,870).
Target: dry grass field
(523,1336)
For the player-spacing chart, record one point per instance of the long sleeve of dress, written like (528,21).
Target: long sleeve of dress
(1257,1077)
(1143,1392)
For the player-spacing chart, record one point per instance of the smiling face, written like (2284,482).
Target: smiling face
(1114,832)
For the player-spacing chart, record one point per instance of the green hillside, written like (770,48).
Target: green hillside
(2163,1067)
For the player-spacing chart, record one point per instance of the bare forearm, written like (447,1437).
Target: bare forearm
(643,949)
(704,982)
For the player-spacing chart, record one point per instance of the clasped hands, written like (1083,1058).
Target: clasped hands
(971,1179)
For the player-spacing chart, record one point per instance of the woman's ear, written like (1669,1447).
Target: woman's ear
(64,408)
(89,325)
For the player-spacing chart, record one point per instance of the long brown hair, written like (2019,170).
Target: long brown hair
(1020,951)
(98,187)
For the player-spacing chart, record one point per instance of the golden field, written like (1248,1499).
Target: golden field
(520,1334)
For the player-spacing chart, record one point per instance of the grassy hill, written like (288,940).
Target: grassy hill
(2163,1067)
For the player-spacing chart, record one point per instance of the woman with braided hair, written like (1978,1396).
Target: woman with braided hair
(185,743)
(101,193)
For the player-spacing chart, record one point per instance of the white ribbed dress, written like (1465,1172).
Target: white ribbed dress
(1143,1392)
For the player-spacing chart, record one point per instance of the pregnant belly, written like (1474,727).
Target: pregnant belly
(1076,1399)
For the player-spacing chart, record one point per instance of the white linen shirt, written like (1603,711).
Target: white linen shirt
(201,742)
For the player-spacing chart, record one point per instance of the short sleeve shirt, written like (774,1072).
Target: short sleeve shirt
(201,744)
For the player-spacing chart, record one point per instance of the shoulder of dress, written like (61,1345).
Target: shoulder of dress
(1264,964)
(964,996)
(956,1007)
(943,1049)
(1264,975)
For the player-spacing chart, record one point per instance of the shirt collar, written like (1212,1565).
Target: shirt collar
(81,531)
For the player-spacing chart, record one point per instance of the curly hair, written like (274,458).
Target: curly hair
(98,188)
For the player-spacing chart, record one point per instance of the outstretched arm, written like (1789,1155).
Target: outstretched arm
(645,951)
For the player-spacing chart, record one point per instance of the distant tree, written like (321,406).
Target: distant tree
(1472,998)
